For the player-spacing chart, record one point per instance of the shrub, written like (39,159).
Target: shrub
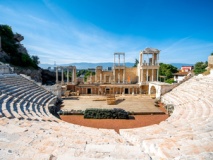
(115,113)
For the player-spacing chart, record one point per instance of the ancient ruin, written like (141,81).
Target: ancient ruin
(68,69)
(28,130)
(122,79)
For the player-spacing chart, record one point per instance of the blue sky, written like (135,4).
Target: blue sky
(68,31)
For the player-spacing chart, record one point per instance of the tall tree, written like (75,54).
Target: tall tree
(200,67)
(35,61)
(136,62)
(167,70)
(7,40)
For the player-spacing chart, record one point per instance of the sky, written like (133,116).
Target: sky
(70,31)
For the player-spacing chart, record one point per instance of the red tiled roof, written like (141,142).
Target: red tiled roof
(181,74)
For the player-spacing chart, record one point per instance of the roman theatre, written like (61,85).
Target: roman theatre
(29,130)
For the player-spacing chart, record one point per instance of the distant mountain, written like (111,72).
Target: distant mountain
(85,65)
(179,65)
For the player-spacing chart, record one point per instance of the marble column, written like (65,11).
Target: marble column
(141,59)
(56,72)
(118,77)
(104,78)
(67,75)
(114,75)
(157,75)
(73,75)
(142,76)
(124,76)
(153,55)
(152,74)
(100,78)
(147,75)
(62,76)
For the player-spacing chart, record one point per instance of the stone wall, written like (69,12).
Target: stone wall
(5,69)
(210,62)
(117,71)
(49,77)
(131,75)
(4,56)
(106,76)
(33,73)
(144,78)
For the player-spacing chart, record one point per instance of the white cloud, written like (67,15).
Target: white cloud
(186,50)
(66,40)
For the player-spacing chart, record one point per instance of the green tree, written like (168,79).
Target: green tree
(7,40)
(35,61)
(212,54)
(171,80)
(81,72)
(26,60)
(200,67)
(167,70)
(11,48)
(87,74)
(136,62)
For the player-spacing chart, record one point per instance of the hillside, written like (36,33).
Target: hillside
(12,51)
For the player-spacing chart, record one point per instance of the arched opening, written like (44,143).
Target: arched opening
(153,92)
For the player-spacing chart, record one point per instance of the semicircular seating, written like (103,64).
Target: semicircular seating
(188,132)
(29,131)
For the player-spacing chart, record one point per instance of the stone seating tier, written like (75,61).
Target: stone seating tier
(192,116)
(186,134)
(20,97)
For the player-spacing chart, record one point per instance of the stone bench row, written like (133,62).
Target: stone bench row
(35,95)
(63,141)
(185,131)
(14,108)
(166,141)
(26,89)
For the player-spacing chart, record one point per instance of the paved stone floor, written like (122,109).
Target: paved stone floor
(139,103)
